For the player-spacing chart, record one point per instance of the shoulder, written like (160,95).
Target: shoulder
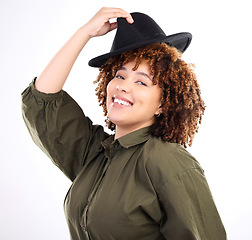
(165,161)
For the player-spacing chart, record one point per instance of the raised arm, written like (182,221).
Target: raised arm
(55,74)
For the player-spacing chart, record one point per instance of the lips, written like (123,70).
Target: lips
(122,101)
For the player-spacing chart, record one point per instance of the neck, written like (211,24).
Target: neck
(121,132)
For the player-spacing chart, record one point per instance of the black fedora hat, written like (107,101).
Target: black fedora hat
(142,32)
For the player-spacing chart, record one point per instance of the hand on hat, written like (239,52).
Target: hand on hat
(99,25)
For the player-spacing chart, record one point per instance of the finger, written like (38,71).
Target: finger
(130,19)
(117,13)
(127,16)
(113,26)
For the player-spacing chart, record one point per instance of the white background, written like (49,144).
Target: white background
(33,189)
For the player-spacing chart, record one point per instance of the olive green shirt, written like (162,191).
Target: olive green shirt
(137,187)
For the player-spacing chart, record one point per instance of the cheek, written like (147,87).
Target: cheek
(158,95)
(111,86)
(109,92)
(153,98)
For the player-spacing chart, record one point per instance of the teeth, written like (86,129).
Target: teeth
(119,101)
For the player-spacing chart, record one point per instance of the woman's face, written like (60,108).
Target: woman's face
(132,99)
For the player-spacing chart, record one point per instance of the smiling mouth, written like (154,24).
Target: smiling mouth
(122,102)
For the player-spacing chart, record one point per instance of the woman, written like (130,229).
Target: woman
(139,183)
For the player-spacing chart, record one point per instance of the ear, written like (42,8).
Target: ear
(159,111)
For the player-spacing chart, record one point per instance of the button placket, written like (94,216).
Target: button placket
(90,198)
(113,148)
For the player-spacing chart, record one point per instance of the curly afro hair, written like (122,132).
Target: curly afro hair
(182,105)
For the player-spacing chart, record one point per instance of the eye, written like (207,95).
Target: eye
(119,76)
(141,83)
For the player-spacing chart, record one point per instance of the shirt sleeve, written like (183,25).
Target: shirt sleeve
(185,198)
(59,127)
(189,209)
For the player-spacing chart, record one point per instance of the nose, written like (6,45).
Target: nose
(123,86)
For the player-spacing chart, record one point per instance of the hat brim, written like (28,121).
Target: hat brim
(179,40)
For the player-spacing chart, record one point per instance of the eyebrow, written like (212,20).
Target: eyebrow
(137,72)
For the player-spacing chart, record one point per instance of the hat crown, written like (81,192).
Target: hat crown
(142,32)
(144,28)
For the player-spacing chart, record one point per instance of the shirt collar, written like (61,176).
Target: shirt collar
(129,140)
(135,138)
